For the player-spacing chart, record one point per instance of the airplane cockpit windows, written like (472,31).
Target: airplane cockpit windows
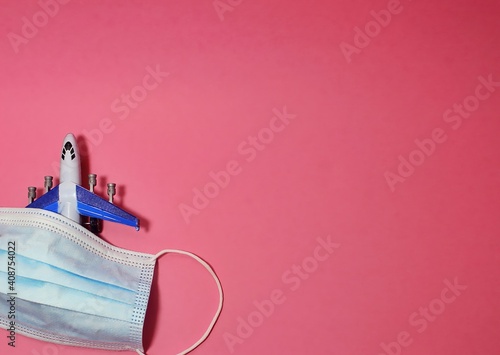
(68,147)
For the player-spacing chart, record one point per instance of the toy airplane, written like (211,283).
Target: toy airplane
(71,200)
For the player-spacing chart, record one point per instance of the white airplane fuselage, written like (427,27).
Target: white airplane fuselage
(70,176)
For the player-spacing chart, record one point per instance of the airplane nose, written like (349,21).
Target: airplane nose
(70,138)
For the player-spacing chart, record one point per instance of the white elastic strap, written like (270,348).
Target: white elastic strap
(219,287)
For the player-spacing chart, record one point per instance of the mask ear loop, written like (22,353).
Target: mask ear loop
(219,287)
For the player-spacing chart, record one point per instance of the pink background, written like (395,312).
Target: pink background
(323,175)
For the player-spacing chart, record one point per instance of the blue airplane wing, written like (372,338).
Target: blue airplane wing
(91,205)
(48,201)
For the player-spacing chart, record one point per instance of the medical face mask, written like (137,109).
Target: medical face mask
(62,284)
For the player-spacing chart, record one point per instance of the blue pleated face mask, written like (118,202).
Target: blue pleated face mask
(62,284)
